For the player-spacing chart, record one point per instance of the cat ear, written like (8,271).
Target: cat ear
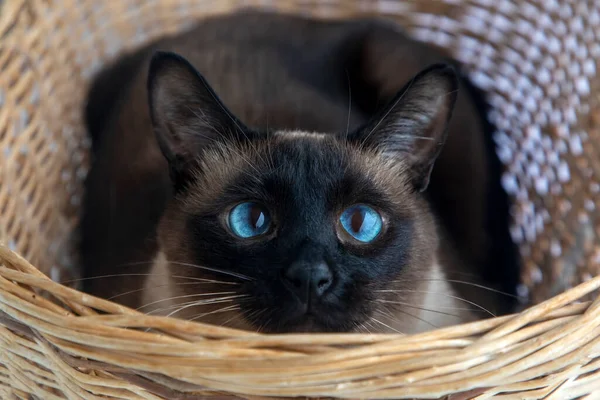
(412,127)
(186,113)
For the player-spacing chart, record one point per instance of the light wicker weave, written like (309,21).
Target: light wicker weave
(536,60)
(551,351)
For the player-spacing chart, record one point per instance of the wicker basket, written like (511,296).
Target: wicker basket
(56,342)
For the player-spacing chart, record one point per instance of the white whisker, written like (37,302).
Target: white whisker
(440,294)
(166,284)
(206,302)
(241,276)
(385,325)
(427,309)
(220,310)
(193,305)
(183,297)
(232,318)
(489,289)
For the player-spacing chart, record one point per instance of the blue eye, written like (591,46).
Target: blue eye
(361,222)
(248,220)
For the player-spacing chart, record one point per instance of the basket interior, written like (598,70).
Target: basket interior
(537,60)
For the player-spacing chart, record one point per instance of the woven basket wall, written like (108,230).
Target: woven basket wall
(537,62)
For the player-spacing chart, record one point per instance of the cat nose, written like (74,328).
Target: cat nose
(308,280)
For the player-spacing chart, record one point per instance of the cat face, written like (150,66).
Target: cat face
(304,231)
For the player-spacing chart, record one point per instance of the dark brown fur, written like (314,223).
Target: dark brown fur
(283,73)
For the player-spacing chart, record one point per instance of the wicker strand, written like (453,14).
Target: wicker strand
(544,350)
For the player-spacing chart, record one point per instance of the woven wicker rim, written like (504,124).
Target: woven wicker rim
(542,348)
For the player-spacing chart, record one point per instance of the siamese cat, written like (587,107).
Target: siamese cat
(280,173)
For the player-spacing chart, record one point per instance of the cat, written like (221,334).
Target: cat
(281,173)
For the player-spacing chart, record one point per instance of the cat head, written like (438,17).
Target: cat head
(302,231)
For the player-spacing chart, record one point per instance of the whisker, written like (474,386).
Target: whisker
(484,287)
(137,263)
(265,324)
(256,313)
(385,325)
(419,318)
(252,318)
(370,325)
(66,282)
(197,303)
(159,286)
(385,311)
(489,289)
(193,305)
(233,318)
(359,327)
(266,310)
(237,275)
(197,280)
(450,271)
(442,294)
(392,317)
(387,314)
(155,287)
(193,302)
(220,310)
(183,297)
(427,309)
(180,309)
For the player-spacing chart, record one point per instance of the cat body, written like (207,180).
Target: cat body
(307,127)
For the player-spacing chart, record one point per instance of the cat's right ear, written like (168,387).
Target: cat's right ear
(413,126)
(186,113)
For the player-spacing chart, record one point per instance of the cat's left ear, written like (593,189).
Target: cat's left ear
(187,115)
(412,127)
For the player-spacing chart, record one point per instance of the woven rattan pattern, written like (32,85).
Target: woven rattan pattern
(536,59)
(550,350)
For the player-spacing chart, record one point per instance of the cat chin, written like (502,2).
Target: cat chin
(158,287)
(439,307)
